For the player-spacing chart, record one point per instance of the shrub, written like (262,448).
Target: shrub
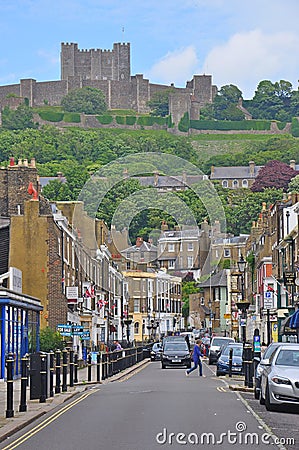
(72,117)
(130,120)
(51,116)
(105,119)
(230,124)
(184,123)
(295,127)
(120,120)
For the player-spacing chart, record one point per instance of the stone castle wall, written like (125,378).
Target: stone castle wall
(109,71)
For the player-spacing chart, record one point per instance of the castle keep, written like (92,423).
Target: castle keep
(110,71)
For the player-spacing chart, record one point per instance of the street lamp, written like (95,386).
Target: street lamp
(242,304)
(211,316)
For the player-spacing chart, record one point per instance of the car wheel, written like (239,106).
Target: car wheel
(163,366)
(256,394)
(268,404)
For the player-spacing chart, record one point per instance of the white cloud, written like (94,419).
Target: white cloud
(175,67)
(247,58)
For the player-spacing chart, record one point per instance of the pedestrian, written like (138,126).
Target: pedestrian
(117,346)
(196,359)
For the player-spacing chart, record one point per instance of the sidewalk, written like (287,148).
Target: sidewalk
(35,409)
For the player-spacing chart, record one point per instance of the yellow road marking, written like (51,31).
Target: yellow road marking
(221,389)
(47,421)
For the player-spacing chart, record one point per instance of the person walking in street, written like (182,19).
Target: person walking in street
(196,359)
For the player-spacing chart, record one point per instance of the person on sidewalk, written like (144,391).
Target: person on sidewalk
(117,346)
(196,359)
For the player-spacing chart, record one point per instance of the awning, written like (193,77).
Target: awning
(294,320)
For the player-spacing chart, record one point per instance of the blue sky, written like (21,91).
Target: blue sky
(237,42)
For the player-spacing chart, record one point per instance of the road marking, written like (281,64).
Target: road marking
(47,421)
(221,389)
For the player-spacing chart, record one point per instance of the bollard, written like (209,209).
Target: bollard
(71,368)
(64,370)
(76,368)
(24,383)
(9,380)
(250,367)
(43,377)
(230,362)
(58,371)
(99,367)
(89,367)
(51,373)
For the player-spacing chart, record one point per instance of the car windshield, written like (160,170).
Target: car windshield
(220,342)
(288,358)
(156,346)
(180,346)
(269,351)
(237,351)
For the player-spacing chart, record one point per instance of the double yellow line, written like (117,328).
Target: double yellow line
(48,421)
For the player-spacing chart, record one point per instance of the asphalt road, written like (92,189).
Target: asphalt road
(152,409)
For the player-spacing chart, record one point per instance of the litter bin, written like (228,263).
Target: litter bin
(35,375)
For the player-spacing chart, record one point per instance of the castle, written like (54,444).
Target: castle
(110,71)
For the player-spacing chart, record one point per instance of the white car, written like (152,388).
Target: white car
(280,378)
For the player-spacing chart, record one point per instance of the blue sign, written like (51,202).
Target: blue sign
(257,344)
(65,329)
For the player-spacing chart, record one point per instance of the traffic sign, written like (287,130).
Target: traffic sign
(65,329)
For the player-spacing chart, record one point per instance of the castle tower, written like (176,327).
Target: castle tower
(96,64)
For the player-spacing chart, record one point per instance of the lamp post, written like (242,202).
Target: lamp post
(211,316)
(242,304)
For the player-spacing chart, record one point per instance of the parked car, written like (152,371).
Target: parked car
(280,378)
(176,354)
(156,351)
(259,368)
(237,360)
(217,343)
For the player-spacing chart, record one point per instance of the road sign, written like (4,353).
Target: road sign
(85,336)
(268,300)
(65,329)
(77,330)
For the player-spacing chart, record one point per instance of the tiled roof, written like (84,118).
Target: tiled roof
(235,172)
(219,279)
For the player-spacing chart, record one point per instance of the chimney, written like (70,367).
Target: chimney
(156,178)
(251,168)
(139,242)
(125,173)
(293,164)
(184,177)
(11,161)
(32,163)
(212,171)
(59,174)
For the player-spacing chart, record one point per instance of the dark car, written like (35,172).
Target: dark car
(259,369)
(176,354)
(237,361)
(156,351)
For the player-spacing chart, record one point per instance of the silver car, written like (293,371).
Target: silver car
(280,378)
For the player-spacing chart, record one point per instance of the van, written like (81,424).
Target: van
(217,344)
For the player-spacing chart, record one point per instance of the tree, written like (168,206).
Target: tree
(87,100)
(275,174)
(18,119)
(271,100)
(225,103)
(294,184)
(188,287)
(50,340)
(159,103)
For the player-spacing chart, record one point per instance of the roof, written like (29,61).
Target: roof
(219,279)
(43,181)
(234,172)
(191,233)
(144,247)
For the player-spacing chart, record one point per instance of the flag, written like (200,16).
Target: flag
(89,292)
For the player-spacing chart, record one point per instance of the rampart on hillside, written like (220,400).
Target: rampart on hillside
(109,70)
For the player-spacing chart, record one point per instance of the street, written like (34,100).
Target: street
(156,408)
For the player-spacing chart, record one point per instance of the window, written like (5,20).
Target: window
(189,261)
(171,264)
(128,265)
(244,183)
(136,328)
(235,183)
(171,247)
(226,253)
(190,246)
(136,305)
(224,183)
(128,255)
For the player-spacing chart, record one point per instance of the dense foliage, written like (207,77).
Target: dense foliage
(50,340)
(86,100)
(275,174)
(18,119)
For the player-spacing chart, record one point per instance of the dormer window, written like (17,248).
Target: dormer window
(224,183)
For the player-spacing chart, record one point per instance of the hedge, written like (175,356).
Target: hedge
(51,116)
(72,117)
(105,119)
(120,120)
(130,120)
(184,123)
(230,124)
